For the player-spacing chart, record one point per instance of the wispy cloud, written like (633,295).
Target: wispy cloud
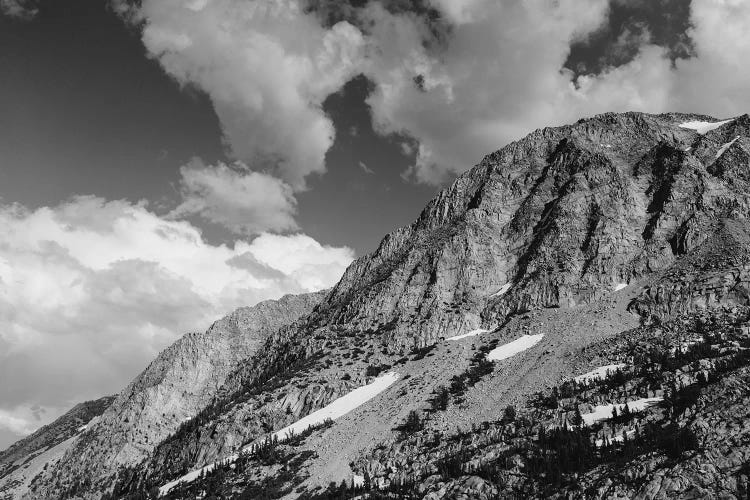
(365,168)
(239,199)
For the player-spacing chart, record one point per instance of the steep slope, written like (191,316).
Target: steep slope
(559,221)
(561,218)
(717,274)
(683,434)
(175,387)
(20,463)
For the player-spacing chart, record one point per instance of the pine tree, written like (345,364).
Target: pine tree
(367,483)
(577,417)
(509,414)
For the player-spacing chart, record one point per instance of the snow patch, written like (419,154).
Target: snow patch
(472,333)
(620,286)
(334,410)
(704,127)
(505,351)
(724,148)
(503,290)
(604,412)
(341,406)
(599,373)
(683,346)
(618,438)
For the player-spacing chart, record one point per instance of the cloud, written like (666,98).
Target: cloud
(500,74)
(365,168)
(497,76)
(91,290)
(19,421)
(457,78)
(19,9)
(241,200)
(717,79)
(267,67)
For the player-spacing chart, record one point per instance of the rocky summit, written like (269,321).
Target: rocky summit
(569,319)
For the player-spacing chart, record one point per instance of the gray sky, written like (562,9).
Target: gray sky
(164,162)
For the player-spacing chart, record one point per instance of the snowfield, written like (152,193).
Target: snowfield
(704,127)
(341,406)
(604,412)
(724,148)
(334,410)
(505,351)
(599,373)
(472,333)
(503,290)
(620,286)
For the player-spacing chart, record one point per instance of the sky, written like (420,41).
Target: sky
(163,162)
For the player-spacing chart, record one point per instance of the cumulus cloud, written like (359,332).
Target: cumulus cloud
(500,74)
(19,9)
(241,200)
(91,290)
(717,79)
(459,78)
(18,421)
(267,67)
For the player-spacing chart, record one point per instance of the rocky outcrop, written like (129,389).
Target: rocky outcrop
(561,217)
(174,388)
(715,275)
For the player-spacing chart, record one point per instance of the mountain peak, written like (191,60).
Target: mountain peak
(573,247)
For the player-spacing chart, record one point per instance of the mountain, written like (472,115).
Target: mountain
(176,386)
(444,364)
(20,463)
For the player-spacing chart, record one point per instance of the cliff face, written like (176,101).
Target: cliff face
(560,221)
(553,220)
(176,386)
(715,275)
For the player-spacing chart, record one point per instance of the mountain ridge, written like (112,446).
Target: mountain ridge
(552,226)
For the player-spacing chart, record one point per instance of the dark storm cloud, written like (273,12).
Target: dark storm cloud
(629,25)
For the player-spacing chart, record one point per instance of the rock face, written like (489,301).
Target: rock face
(561,220)
(716,274)
(561,216)
(176,386)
